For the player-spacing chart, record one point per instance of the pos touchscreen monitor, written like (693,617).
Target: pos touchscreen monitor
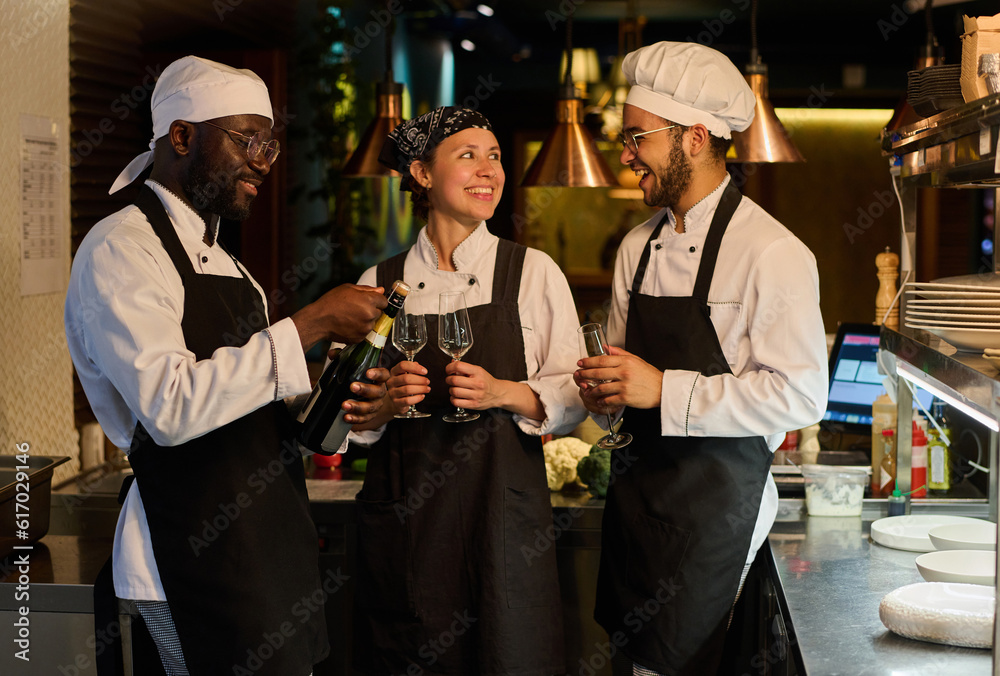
(855,381)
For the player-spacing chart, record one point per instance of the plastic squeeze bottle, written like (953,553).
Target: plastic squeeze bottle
(897,503)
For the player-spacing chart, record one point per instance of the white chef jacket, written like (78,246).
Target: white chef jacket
(545,304)
(123,315)
(764,302)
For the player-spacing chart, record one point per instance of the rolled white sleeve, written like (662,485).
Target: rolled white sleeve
(552,346)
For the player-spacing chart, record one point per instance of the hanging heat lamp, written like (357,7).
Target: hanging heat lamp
(388,115)
(765,140)
(569,156)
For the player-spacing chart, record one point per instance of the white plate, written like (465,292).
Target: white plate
(968,566)
(965,340)
(945,286)
(991,279)
(941,612)
(961,315)
(955,294)
(909,532)
(987,304)
(982,535)
(966,314)
(953,323)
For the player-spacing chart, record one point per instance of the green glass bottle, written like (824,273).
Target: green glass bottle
(322,428)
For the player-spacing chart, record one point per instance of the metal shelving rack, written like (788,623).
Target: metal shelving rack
(954,149)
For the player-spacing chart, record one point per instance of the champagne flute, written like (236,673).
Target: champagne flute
(594,344)
(455,339)
(409,335)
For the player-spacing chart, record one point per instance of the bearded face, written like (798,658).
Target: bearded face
(672,176)
(217,190)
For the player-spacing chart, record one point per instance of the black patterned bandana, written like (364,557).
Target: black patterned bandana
(416,138)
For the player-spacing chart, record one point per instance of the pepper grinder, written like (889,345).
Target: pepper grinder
(888,272)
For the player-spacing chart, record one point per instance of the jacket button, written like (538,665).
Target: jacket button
(472,282)
(659,246)
(420,285)
(693,249)
(204,259)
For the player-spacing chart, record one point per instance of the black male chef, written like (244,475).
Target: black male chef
(172,343)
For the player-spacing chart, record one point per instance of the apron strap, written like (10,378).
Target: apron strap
(640,272)
(389,270)
(510,258)
(150,205)
(731,197)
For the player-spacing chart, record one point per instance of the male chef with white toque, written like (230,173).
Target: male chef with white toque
(720,350)
(171,339)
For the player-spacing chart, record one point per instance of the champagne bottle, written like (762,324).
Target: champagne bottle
(322,427)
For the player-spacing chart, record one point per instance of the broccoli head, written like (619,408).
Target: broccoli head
(595,471)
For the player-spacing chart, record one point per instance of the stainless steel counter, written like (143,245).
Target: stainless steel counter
(829,576)
(832,578)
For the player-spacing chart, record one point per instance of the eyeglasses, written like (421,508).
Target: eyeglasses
(630,141)
(254,144)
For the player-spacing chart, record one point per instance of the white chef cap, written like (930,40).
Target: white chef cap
(688,83)
(196,89)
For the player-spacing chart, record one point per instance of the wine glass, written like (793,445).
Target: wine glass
(455,339)
(594,344)
(409,335)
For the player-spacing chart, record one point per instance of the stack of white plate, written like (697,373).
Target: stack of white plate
(962,311)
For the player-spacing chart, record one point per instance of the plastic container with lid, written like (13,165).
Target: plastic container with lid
(834,491)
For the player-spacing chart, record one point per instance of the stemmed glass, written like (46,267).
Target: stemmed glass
(594,344)
(455,339)
(409,335)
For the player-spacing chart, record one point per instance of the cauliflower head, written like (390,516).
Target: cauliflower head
(561,458)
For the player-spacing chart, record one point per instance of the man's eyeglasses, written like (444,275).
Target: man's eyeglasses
(254,144)
(630,141)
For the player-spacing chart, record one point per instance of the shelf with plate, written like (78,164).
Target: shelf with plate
(954,149)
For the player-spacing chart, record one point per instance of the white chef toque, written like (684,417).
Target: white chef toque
(688,83)
(195,90)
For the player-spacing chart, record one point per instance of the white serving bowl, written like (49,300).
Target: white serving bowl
(966,566)
(982,535)
(909,532)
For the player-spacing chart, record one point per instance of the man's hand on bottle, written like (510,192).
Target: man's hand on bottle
(369,398)
(344,314)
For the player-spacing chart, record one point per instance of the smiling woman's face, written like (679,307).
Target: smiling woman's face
(466,178)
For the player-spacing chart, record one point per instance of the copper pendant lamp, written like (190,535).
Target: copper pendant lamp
(766,139)
(569,157)
(388,115)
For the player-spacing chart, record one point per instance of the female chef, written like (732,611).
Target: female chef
(457,570)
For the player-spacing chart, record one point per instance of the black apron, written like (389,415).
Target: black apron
(680,511)
(228,512)
(455,574)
